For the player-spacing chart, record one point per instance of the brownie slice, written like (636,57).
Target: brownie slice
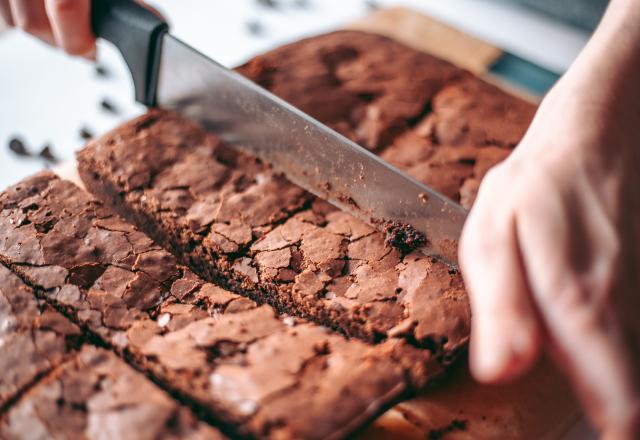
(255,373)
(98,396)
(34,338)
(236,234)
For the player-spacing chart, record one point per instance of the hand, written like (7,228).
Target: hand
(65,23)
(551,250)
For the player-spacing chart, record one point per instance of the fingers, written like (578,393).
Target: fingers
(31,16)
(71,23)
(5,12)
(505,331)
(570,251)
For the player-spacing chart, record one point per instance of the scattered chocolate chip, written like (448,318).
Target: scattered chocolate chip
(101,70)
(372,5)
(255,27)
(85,134)
(109,106)
(47,154)
(272,4)
(424,197)
(18,147)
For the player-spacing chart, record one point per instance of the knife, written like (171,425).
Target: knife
(170,74)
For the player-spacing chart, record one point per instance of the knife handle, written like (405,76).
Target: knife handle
(137,33)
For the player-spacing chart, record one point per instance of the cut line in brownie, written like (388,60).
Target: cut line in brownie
(96,395)
(34,338)
(236,362)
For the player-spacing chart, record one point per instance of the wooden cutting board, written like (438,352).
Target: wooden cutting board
(541,405)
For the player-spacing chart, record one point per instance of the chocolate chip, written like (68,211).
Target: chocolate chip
(85,134)
(18,147)
(109,106)
(272,4)
(255,27)
(47,154)
(372,5)
(101,70)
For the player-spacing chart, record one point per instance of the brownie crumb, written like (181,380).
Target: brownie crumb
(109,106)
(85,133)
(455,425)
(47,154)
(18,147)
(348,200)
(402,236)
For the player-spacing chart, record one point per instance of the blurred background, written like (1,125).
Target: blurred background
(50,104)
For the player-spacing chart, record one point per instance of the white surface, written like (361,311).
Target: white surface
(47,97)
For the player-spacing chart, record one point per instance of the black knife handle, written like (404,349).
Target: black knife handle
(137,33)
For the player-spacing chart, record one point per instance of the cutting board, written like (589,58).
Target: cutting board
(539,406)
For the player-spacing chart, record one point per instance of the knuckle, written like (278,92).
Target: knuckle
(31,26)
(63,6)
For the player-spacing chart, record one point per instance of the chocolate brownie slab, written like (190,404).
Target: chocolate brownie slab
(98,396)
(34,338)
(254,372)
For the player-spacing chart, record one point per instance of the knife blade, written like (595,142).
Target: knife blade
(310,154)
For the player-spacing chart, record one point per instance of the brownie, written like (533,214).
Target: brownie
(471,127)
(34,338)
(240,364)
(314,262)
(98,396)
(368,87)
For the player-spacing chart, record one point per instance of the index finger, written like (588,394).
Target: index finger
(71,23)
(5,12)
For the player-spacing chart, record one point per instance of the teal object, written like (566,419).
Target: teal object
(524,74)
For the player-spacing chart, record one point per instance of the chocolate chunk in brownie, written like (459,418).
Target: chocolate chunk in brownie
(97,395)
(34,338)
(256,373)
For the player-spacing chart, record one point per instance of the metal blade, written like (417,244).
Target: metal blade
(310,154)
